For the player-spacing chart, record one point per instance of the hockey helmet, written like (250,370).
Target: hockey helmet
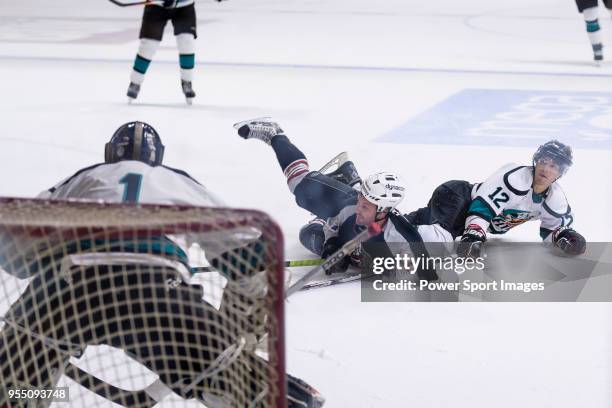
(135,141)
(560,153)
(384,190)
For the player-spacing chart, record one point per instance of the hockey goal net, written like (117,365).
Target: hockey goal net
(131,305)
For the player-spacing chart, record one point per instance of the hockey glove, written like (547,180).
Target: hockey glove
(570,242)
(329,248)
(470,245)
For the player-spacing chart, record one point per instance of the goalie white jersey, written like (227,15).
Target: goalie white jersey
(506,199)
(136,182)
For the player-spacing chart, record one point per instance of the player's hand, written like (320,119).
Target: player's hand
(569,241)
(330,247)
(470,245)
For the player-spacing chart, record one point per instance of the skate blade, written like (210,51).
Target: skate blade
(238,125)
(189,101)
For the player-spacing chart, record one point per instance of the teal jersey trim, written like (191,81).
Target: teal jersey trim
(537,198)
(477,207)
(153,246)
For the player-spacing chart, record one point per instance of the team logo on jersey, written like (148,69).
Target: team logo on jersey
(511,218)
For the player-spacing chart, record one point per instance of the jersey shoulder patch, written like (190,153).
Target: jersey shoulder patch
(556,202)
(78,173)
(518,179)
(182,173)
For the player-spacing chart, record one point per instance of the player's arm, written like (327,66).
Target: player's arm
(557,221)
(491,197)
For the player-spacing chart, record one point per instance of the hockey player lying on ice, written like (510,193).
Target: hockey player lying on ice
(511,196)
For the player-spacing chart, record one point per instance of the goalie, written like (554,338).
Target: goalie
(131,294)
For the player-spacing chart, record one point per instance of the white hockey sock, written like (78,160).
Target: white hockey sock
(186,47)
(146,51)
(592,25)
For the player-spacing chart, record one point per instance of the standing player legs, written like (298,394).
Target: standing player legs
(184,22)
(186,47)
(589,11)
(151,32)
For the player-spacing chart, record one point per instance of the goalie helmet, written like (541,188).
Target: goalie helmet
(135,141)
(559,152)
(383,189)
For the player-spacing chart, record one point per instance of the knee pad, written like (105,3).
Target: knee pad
(313,237)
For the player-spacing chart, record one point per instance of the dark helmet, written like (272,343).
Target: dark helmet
(135,141)
(559,152)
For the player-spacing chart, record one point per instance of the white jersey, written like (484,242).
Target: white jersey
(506,199)
(136,182)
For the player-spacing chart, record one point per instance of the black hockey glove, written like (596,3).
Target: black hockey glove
(470,245)
(329,248)
(570,242)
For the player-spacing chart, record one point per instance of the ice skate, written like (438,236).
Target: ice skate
(132,92)
(346,173)
(598,54)
(188,91)
(263,129)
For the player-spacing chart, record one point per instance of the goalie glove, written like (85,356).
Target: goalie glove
(470,245)
(569,241)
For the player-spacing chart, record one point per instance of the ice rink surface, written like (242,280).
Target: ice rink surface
(431,90)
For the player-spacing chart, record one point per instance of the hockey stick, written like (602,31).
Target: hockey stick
(286,264)
(338,280)
(137,3)
(350,246)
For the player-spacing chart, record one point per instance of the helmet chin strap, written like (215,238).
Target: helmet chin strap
(384,212)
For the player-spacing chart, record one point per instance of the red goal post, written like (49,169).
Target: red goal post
(77,275)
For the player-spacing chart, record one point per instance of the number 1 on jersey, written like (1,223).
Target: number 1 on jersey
(133,183)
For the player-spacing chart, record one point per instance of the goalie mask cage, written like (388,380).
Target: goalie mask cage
(102,299)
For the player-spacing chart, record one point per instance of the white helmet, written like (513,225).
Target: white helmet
(383,189)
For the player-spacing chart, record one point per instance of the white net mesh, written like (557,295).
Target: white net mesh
(104,299)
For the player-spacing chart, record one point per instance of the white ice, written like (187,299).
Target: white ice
(337,74)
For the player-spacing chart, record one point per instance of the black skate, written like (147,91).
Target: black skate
(188,91)
(598,54)
(346,173)
(302,395)
(133,91)
(263,129)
